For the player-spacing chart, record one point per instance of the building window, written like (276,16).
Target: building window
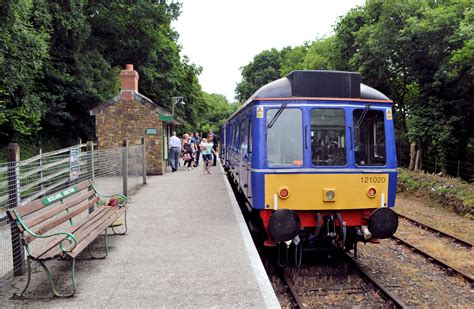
(369,137)
(285,138)
(328,128)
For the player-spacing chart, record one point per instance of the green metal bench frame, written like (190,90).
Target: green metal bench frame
(28,235)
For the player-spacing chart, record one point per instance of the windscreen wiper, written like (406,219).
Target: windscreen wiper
(362,116)
(278,113)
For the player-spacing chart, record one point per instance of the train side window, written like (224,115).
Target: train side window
(369,137)
(243,145)
(236,135)
(328,135)
(285,138)
(249,142)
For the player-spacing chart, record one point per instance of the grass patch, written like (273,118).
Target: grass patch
(447,192)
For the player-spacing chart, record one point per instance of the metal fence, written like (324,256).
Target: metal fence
(455,168)
(115,170)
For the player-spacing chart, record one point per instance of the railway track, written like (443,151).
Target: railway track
(450,269)
(456,239)
(398,303)
(371,283)
(296,299)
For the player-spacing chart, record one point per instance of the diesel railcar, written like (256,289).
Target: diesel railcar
(314,155)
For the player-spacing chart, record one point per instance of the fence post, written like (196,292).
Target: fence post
(90,148)
(13,157)
(457,175)
(143,161)
(125,167)
(41,168)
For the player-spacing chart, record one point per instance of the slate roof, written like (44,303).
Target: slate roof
(141,99)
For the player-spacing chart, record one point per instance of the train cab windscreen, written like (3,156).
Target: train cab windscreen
(369,137)
(328,128)
(285,137)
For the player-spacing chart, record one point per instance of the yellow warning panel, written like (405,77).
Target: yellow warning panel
(260,112)
(389,114)
(326,191)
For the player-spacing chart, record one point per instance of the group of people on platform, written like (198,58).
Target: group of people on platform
(190,148)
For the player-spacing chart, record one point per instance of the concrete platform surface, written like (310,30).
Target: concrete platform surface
(187,246)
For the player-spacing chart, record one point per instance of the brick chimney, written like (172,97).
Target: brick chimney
(128,82)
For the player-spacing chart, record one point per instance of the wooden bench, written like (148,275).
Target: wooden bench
(61,225)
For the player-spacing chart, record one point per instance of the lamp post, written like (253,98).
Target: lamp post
(174,101)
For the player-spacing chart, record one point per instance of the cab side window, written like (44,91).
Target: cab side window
(369,137)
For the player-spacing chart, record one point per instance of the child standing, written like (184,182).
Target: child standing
(206,150)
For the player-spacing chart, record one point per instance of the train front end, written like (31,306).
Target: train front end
(324,164)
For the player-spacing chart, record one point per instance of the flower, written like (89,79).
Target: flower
(113,202)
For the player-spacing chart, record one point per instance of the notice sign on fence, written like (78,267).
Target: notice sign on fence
(74,163)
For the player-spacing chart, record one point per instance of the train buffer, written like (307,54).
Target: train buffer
(187,246)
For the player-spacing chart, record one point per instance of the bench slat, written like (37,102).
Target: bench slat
(111,219)
(38,204)
(86,233)
(53,244)
(56,210)
(61,219)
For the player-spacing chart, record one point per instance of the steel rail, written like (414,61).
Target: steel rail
(434,260)
(389,296)
(460,241)
(298,303)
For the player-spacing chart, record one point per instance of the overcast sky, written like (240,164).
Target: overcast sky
(223,35)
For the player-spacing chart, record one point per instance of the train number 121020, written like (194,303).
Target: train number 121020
(376,179)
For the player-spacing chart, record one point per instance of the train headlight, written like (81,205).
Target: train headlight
(329,195)
(283,193)
(372,192)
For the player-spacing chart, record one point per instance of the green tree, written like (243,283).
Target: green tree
(264,68)
(440,39)
(320,54)
(24,38)
(77,77)
(293,59)
(218,110)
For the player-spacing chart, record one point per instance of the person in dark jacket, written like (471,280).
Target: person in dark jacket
(197,142)
(215,140)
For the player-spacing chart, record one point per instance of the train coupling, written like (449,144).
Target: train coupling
(365,232)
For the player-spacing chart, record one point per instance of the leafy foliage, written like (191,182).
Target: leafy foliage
(24,39)
(218,110)
(264,68)
(58,59)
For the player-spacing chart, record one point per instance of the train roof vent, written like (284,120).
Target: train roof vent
(319,84)
(325,84)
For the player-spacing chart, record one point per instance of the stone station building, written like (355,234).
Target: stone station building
(132,116)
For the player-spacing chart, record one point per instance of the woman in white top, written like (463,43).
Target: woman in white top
(206,150)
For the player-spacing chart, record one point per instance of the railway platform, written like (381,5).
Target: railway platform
(187,246)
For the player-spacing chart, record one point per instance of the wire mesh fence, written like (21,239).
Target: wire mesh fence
(115,170)
(455,168)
